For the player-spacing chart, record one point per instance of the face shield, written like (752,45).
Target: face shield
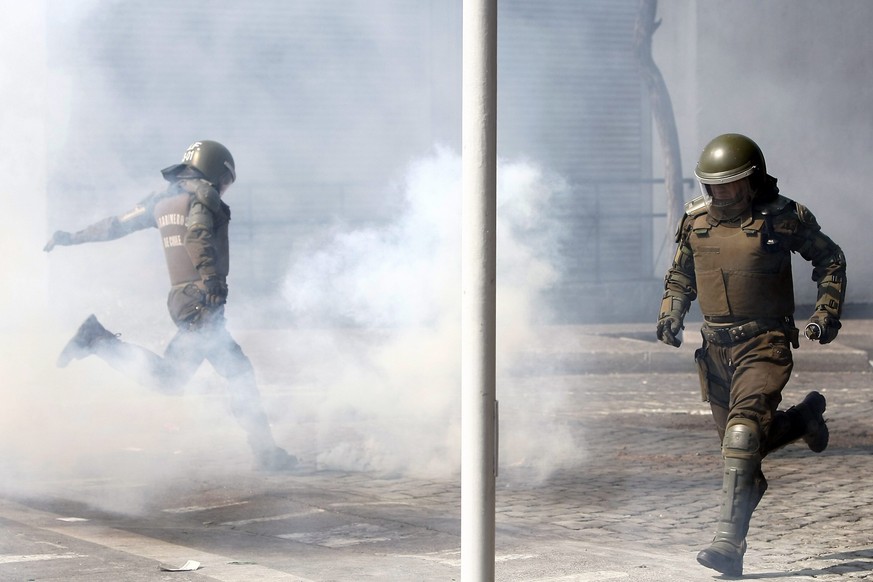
(225,181)
(727,201)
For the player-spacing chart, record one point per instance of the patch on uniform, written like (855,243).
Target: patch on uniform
(174,240)
(138,211)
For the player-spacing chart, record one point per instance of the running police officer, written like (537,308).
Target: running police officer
(193,222)
(734,256)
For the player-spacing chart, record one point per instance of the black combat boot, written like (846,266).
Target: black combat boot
(804,421)
(84,343)
(812,408)
(742,488)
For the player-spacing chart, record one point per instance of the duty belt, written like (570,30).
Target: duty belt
(738,333)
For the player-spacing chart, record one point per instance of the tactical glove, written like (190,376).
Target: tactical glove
(60,237)
(822,327)
(669,327)
(216,292)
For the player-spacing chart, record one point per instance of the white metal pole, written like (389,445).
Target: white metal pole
(479,291)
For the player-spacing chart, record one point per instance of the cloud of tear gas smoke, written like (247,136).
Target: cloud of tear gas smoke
(370,377)
(389,399)
(86,431)
(40,435)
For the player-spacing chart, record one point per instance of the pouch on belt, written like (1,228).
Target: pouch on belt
(702,372)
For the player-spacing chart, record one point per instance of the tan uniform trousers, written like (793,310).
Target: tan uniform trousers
(745,379)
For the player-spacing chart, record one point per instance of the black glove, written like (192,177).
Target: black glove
(216,292)
(60,237)
(822,327)
(669,327)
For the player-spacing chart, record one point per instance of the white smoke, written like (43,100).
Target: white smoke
(86,429)
(370,378)
(390,402)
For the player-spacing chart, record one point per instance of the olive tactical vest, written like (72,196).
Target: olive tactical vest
(741,272)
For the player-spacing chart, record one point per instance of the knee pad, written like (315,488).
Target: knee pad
(742,439)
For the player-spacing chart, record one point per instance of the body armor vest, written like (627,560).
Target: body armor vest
(743,272)
(171,215)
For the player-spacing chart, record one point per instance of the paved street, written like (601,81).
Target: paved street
(633,497)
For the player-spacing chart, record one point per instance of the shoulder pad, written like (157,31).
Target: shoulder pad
(683,228)
(777,205)
(204,193)
(696,206)
(806,217)
(209,197)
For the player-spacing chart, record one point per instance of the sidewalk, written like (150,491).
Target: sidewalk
(635,502)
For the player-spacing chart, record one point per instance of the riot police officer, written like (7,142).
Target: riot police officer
(734,256)
(193,222)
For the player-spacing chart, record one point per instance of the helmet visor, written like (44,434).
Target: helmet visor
(729,200)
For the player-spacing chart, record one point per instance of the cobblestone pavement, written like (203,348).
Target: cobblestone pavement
(654,480)
(637,504)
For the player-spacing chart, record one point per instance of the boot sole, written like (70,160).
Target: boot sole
(73,350)
(706,560)
(818,442)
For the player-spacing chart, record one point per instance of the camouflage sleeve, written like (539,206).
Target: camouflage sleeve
(828,262)
(199,239)
(137,218)
(680,284)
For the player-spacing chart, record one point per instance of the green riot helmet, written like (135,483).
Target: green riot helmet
(210,159)
(730,171)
